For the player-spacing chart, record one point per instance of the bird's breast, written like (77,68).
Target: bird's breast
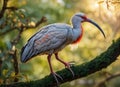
(79,37)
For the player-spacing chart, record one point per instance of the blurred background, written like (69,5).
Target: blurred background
(28,12)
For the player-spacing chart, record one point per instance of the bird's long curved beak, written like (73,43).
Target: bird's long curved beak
(91,21)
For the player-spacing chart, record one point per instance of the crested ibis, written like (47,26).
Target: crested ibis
(53,38)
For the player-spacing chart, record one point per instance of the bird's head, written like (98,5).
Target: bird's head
(81,17)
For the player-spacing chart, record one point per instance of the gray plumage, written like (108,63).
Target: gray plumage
(54,37)
(50,39)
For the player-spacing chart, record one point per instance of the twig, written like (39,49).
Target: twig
(14,53)
(15,41)
(102,83)
(42,20)
(7,31)
(15,65)
(11,8)
(3,8)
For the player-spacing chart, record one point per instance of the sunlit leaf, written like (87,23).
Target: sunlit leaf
(101,1)
(12,74)
(4,72)
(31,23)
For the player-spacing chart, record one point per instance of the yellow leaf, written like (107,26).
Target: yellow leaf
(26,77)
(31,23)
(4,72)
(99,2)
(12,74)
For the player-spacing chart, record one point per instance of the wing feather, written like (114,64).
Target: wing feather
(50,38)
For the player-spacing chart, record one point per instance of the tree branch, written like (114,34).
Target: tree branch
(15,64)
(3,8)
(42,20)
(11,8)
(98,63)
(102,83)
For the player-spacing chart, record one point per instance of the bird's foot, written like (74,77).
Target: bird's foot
(55,75)
(68,66)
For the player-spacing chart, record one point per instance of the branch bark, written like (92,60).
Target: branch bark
(3,8)
(98,63)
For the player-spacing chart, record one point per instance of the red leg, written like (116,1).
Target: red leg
(66,64)
(49,61)
(55,75)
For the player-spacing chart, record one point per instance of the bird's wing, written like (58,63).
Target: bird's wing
(47,39)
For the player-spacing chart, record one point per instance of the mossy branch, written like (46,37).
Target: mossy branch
(98,63)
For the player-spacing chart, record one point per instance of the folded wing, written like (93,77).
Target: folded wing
(47,40)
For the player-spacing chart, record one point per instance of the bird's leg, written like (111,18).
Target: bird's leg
(55,75)
(66,64)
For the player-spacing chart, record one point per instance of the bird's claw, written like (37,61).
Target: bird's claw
(68,65)
(55,75)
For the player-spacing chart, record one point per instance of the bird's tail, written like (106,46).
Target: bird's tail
(25,53)
(22,58)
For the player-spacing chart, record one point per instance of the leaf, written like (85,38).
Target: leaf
(26,77)
(4,72)
(99,2)
(12,74)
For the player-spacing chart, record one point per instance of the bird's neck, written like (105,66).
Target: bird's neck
(76,25)
(77,33)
